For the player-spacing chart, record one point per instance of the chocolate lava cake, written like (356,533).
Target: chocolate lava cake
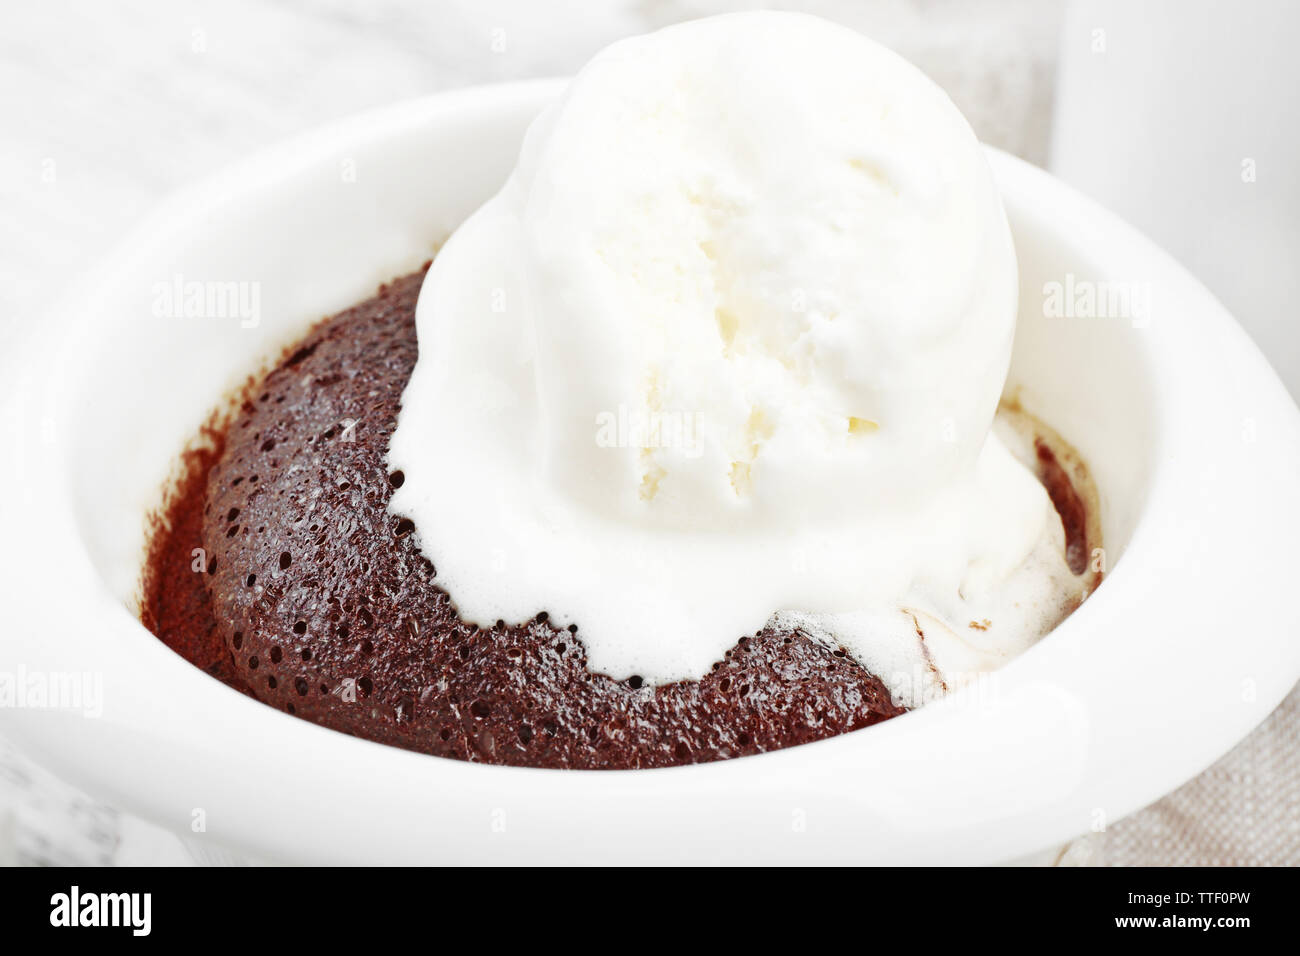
(312,597)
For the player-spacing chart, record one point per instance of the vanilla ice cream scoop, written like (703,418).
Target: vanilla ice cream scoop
(729,342)
(770,234)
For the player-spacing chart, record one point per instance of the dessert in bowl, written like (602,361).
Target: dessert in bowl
(1162,408)
(679,451)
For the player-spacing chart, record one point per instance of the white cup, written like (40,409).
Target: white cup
(1184,117)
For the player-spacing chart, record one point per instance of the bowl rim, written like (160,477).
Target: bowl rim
(271,779)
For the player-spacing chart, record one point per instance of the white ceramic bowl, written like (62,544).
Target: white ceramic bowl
(1189,642)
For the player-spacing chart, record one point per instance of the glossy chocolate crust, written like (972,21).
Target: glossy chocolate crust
(317,601)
